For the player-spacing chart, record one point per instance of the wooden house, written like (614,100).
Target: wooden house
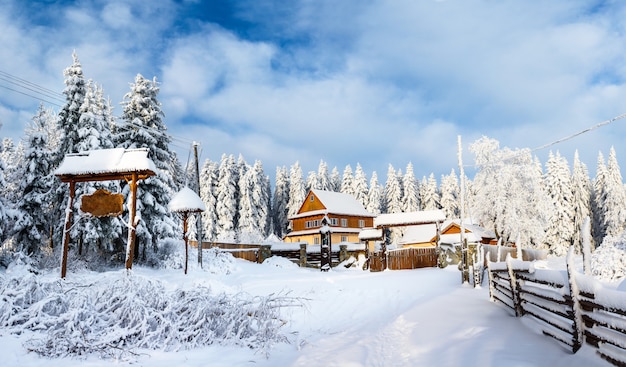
(342,213)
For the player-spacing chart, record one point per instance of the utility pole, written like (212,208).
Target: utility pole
(199,215)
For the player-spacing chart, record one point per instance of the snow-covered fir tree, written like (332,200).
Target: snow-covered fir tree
(280,202)
(598,195)
(323,177)
(226,208)
(13,157)
(558,188)
(297,190)
(430,195)
(208,194)
(312,181)
(615,200)
(69,116)
(410,191)
(374,195)
(143,127)
(581,198)
(360,187)
(32,227)
(347,181)
(3,203)
(393,193)
(450,194)
(253,205)
(335,180)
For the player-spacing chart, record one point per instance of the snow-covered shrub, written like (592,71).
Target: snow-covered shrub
(608,261)
(214,260)
(118,314)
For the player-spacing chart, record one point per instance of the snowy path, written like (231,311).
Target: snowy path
(352,318)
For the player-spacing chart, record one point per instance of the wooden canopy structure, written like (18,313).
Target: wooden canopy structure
(116,164)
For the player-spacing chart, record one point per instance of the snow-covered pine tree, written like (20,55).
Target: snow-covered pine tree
(312,181)
(615,200)
(13,157)
(393,193)
(335,180)
(410,191)
(360,187)
(323,177)
(581,198)
(297,191)
(226,194)
(374,195)
(347,181)
(3,202)
(253,209)
(598,196)
(208,194)
(32,227)
(280,201)
(558,187)
(69,116)
(450,192)
(430,195)
(143,127)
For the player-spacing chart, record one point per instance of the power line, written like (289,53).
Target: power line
(569,137)
(30,95)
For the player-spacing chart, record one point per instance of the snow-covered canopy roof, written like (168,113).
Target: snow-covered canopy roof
(337,203)
(105,164)
(410,218)
(186,200)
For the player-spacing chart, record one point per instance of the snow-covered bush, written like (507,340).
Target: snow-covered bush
(214,260)
(119,313)
(608,261)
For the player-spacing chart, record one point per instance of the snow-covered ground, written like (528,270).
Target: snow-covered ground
(347,318)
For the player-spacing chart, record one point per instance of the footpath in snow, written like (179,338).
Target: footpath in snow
(348,318)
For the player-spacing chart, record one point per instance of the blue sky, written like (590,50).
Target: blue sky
(373,82)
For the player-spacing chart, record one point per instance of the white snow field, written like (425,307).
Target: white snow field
(347,318)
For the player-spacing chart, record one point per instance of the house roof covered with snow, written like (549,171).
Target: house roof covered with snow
(337,203)
(371,234)
(105,164)
(422,233)
(410,218)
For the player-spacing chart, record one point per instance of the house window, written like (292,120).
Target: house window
(312,198)
(333,221)
(344,222)
(344,238)
(307,224)
(361,223)
(316,241)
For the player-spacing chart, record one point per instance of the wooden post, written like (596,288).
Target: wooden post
(68,224)
(199,216)
(185,216)
(132,226)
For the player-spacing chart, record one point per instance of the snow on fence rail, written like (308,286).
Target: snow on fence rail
(570,307)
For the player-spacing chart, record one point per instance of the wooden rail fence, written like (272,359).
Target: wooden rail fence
(568,306)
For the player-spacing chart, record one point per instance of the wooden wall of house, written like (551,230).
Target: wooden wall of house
(311,205)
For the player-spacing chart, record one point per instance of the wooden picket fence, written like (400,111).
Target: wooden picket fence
(567,306)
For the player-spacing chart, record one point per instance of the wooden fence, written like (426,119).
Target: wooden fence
(300,253)
(405,258)
(569,307)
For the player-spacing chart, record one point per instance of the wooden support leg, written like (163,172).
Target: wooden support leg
(68,224)
(132,226)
